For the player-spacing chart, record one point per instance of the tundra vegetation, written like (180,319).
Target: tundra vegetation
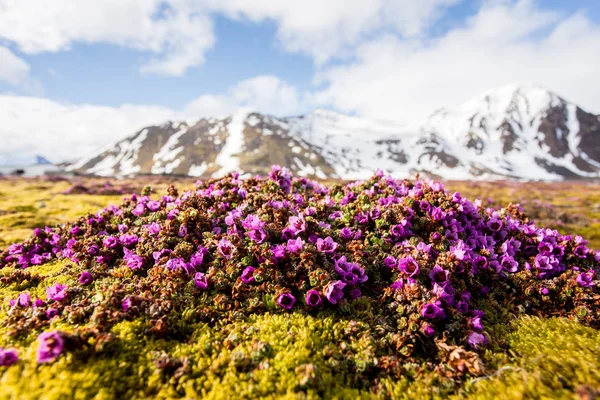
(284,287)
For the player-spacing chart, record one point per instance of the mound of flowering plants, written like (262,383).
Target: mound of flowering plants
(406,274)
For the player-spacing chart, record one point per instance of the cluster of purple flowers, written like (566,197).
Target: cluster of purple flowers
(309,247)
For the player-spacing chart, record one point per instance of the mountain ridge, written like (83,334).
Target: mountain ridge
(520,131)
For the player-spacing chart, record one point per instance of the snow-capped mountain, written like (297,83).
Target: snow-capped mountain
(519,131)
(26,165)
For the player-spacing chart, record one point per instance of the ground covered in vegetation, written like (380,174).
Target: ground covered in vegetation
(286,287)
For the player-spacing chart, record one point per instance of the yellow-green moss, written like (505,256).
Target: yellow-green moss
(296,356)
(552,358)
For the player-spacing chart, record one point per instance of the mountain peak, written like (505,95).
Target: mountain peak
(521,130)
(527,97)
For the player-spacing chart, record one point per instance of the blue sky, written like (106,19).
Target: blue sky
(108,74)
(382,59)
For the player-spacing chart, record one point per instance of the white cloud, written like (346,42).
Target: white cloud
(58,131)
(267,94)
(180,32)
(328,29)
(504,42)
(179,36)
(13,70)
(32,125)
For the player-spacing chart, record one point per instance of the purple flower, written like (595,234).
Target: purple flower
(103,259)
(278,252)
(476,324)
(85,278)
(313,298)
(172,214)
(327,245)
(257,235)
(459,251)
(509,264)
(362,218)
(110,242)
(15,249)
(586,279)
(201,281)
(432,311)
(545,247)
(545,263)
(397,285)
(225,248)
(153,228)
(494,224)
(462,306)
(390,262)
(129,240)
(248,275)
(409,266)
(287,233)
(282,177)
(400,230)
(297,224)
(286,300)
(175,264)
(57,292)
(153,205)
(233,216)
(39,303)
(51,312)
(480,262)
(8,357)
(581,251)
(350,272)
(346,233)
(93,250)
(438,275)
(24,300)
(334,291)
(427,329)
(157,255)
(294,245)
(139,210)
(310,211)
(335,215)
(50,346)
(183,231)
(126,304)
(197,259)
(252,221)
(132,260)
(476,340)
(37,259)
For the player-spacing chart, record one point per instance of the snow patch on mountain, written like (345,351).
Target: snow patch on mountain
(234,145)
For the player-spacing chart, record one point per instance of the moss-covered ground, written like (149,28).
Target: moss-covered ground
(298,355)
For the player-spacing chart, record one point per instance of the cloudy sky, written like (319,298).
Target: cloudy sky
(90,72)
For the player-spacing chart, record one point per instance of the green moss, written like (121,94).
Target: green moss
(552,358)
(287,356)
(296,356)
